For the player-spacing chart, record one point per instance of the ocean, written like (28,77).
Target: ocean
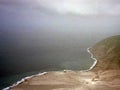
(14,80)
(10,80)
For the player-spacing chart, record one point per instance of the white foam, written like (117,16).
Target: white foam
(22,80)
(95,62)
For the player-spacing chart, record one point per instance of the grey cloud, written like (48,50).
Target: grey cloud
(82,6)
(66,6)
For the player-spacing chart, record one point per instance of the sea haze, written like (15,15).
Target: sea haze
(48,48)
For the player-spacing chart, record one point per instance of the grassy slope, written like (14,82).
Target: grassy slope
(107,52)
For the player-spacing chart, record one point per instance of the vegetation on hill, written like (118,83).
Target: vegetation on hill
(107,52)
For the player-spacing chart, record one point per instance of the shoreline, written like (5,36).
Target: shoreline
(40,74)
(23,79)
(95,62)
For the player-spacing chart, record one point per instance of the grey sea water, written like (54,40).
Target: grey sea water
(11,79)
(69,65)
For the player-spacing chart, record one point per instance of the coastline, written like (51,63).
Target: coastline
(40,74)
(95,62)
(23,79)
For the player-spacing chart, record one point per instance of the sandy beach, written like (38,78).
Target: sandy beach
(71,80)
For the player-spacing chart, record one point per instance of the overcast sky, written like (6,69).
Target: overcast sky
(79,7)
(36,13)
(82,7)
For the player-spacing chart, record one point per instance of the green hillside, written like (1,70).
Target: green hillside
(107,52)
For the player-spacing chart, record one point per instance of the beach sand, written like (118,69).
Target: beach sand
(71,80)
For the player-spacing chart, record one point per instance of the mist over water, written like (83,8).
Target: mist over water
(47,48)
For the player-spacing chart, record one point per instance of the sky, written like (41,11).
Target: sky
(82,7)
(79,7)
(38,13)
(61,13)
(56,32)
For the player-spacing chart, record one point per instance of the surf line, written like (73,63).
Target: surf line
(95,62)
(23,79)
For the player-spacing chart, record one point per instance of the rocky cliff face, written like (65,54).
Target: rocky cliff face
(107,52)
